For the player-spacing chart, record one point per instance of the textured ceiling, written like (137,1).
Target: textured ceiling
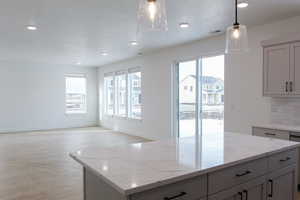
(71,31)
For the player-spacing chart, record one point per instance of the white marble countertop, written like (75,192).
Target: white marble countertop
(138,167)
(279,127)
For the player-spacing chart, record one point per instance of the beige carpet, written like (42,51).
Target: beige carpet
(36,165)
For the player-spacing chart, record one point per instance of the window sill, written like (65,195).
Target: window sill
(123,118)
(75,113)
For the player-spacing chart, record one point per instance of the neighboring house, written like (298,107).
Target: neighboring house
(212,90)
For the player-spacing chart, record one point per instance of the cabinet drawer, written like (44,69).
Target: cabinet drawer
(264,132)
(192,189)
(235,175)
(283,159)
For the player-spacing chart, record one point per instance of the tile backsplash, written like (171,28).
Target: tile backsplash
(285,111)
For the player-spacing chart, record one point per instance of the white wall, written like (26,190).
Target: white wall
(33,97)
(244,104)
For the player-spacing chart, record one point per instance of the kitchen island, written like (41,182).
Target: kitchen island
(225,166)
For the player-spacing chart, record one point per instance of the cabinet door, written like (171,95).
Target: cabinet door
(295,69)
(252,190)
(281,184)
(276,70)
(255,192)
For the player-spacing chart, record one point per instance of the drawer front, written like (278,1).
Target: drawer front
(264,132)
(192,189)
(283,159)
(235,175)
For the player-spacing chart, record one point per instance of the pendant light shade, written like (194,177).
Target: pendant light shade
(152,15)
(236,39)
(236,36)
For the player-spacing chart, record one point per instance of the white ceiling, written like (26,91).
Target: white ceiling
(71,31)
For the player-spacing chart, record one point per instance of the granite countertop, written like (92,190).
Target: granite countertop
(279,127)
(139,167)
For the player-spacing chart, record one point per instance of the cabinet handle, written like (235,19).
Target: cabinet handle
(271,194)
(241,195)
(246,193)
(270,134)
(291,86)
(286,86)
(243,174)
(294,136)
(176,196)
(286,159)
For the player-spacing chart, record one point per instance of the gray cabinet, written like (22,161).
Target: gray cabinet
(281,69)
(272,177)
(271,133)
(281,184)
(191,189)
(252,190)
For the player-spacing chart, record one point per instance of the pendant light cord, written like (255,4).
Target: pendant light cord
(236,13)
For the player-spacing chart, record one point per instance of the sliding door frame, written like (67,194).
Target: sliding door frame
(175,103)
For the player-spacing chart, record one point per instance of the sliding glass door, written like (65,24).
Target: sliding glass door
(187,90)
(200,96)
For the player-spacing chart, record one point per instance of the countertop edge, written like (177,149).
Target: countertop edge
(278,127)
(182,177)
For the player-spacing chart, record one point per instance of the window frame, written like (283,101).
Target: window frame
(79,75)
(112,75)
(127,94)
(116,92)
(129,115)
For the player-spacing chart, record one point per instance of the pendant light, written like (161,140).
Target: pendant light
(152,15)
(236,36)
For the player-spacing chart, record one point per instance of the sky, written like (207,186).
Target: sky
(211,66)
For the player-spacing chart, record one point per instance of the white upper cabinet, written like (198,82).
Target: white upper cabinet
(276,70)
(295,69)
(281,68)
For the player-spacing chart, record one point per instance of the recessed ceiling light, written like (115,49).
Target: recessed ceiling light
(78,63)
(134,43)
(104,53)
(31,28)
(184,25)
(243,4)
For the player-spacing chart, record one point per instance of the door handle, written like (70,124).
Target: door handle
(246,193)
(271,193)
(291,86)
(286,159)
(241,195)
(270,134)
(176,196)
(243,174)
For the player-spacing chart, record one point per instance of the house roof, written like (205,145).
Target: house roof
(209,80)
(205,79)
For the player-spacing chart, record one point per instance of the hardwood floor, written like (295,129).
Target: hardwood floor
(36,165)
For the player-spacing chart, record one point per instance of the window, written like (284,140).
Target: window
(76,94)
(121,94)
(109,94)
(135,94)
